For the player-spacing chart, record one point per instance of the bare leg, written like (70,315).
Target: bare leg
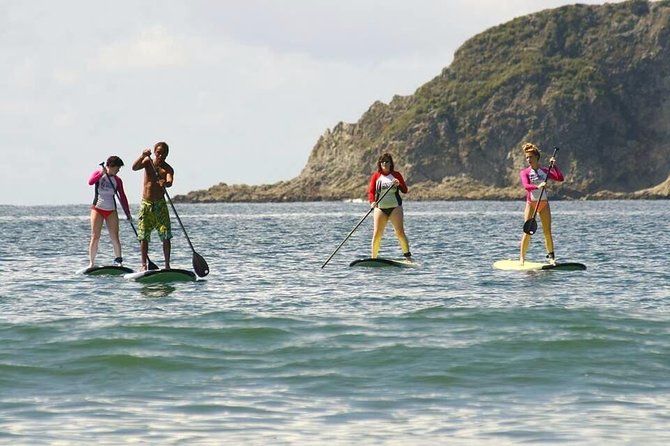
(545,216)
(96,227)
(380,220)
(113,228)
(525,239)
(144,253)
(397,220)
(167,247)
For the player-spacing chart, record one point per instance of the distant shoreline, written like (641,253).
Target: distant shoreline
(352,201)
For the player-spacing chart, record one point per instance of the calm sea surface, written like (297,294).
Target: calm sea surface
(272,349)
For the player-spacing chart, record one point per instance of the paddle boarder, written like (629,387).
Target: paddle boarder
(534,180)
(154,211)
(107,183)
(389,207)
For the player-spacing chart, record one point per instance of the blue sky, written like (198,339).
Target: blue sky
(241,90)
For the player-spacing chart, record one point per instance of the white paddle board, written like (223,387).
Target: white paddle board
(515,265)
(162,276)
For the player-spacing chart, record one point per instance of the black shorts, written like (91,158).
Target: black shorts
(387,211)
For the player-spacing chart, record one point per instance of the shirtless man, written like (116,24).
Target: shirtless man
(153,211)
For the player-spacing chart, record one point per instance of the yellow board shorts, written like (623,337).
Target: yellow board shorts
(154,215)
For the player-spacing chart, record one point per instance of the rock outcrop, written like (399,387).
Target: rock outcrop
(594,80)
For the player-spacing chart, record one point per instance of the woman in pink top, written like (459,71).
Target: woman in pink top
(107,185)
(388,205)
(534,180)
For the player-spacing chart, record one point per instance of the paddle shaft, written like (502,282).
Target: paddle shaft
(355,227)
(174,210)
(152,265)
(199,263)
(537,206)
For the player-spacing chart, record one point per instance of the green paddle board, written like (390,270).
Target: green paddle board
(109,270)
(162,276)
(382,263)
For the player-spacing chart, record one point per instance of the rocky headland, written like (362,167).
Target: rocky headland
(591,79)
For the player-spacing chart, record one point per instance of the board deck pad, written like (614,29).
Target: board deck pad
(515,265)
(106,270)
(381,263)
(162,276)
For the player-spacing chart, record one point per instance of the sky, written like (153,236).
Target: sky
(241,90)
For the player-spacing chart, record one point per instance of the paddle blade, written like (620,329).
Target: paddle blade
(200,265)
(152,266)
(530,226)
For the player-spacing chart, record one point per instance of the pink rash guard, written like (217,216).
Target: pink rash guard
(104,192)
(531,178)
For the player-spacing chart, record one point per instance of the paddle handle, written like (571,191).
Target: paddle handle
(551,165)
(355,227)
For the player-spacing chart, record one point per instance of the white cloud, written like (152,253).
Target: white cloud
(25,73)
(66,76)
(240,90)
(153,48)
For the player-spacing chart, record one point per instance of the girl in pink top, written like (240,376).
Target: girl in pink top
(107,185)
(534,179)
(390,206)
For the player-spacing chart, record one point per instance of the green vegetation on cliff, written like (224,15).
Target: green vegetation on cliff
(594,80)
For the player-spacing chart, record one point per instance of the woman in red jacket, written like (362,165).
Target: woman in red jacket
(387,204)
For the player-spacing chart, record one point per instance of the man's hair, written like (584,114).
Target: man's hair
(164,145)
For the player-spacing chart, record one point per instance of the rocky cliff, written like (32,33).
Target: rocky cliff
(594,80)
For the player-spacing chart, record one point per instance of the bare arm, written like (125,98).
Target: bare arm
(169,176)
(140,162)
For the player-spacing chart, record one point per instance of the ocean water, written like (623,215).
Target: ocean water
(273,349)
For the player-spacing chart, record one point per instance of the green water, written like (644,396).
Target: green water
(272,349)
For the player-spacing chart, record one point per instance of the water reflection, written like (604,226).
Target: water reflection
(157,290)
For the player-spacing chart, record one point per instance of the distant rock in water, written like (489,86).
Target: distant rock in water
(593,80)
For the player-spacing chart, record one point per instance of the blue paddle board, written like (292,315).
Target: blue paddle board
(382,263)
(162,276)
(108,270)
(515,265)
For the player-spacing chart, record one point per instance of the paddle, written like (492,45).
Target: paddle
(152,265)
(199,264)
(355,227)
(530,226)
